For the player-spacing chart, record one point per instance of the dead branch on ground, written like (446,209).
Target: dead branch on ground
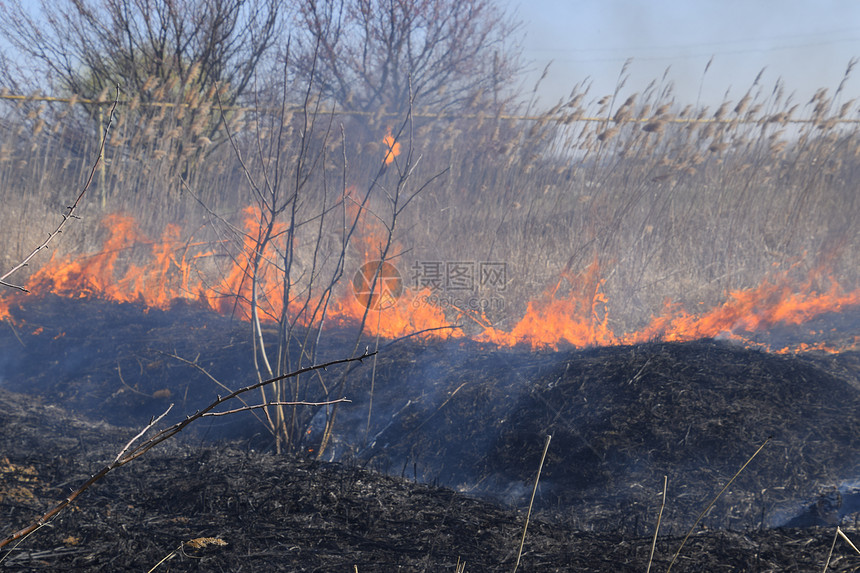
(132,451)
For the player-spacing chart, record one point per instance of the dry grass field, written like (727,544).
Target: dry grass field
(624,201)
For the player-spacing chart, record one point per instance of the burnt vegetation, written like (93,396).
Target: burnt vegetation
(255,154)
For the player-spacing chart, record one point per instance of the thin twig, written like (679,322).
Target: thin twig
(152,422)
(419,333)
(710,505)
(845,537)
(280,403)
(209,375)
(839,533)
(124,383)
(830,554)
(15,332)
(439,409)
(167,557)
(534,492)
(659,519)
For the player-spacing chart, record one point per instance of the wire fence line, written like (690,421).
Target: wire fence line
(558,117)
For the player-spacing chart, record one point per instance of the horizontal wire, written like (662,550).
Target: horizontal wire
(426,115)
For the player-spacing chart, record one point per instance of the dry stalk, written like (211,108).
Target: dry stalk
(531,502)
(657,529)
(839,533)
(197,543)
(710,505)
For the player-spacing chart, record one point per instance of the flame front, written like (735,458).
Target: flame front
(580,318)
(749,311)
(574,312)
(155,284)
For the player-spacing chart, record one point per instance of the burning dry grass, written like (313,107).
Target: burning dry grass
(605,212)
(680,204)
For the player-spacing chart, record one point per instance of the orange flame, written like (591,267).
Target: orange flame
(580,318)
(98,275)
(171,272)
(399,314)
(748,311)
(234,293)
(575,312)
(392,147)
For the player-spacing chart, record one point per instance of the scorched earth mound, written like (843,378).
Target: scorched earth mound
(457,414)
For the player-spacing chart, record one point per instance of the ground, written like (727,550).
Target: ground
(471,419)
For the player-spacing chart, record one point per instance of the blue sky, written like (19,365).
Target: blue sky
(806,43)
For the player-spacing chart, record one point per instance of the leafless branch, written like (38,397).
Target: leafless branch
(267,404)
(445,53)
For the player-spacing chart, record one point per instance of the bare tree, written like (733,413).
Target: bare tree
(385,54)
(170,58)
(147,46)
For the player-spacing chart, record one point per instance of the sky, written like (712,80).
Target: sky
(807,44)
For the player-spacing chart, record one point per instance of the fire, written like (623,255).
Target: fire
(234,293)
(381,303)
(172,271)
(580,318)
(574,312)
(392,147)
(101,275)
(402,316)
(748,311)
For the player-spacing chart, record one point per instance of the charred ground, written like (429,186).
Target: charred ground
(453,413)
